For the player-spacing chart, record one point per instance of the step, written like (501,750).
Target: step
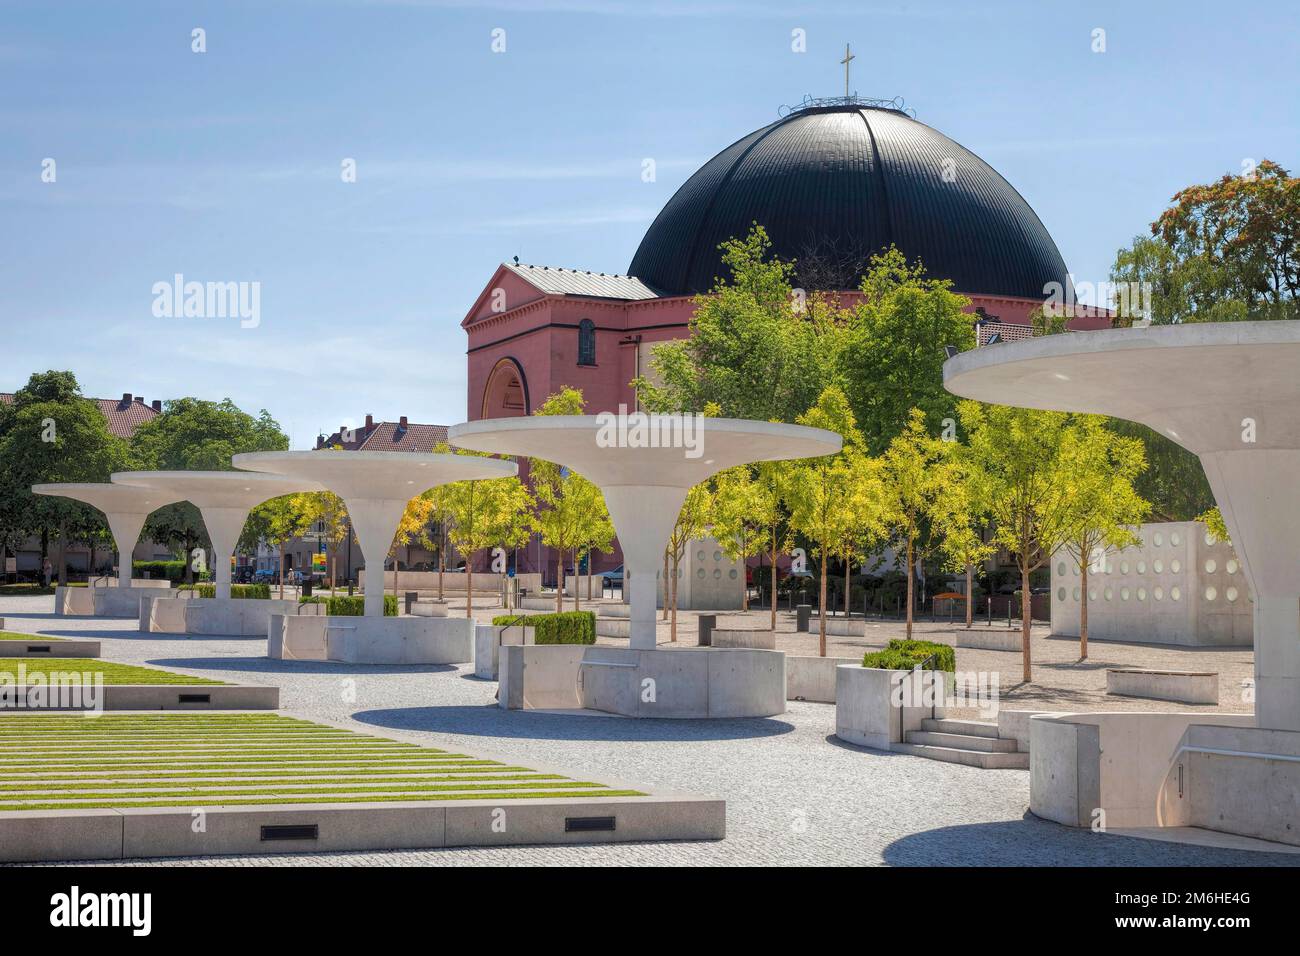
(968,728)
(962,741)
(971,758)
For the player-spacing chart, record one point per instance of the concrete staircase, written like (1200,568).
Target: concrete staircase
(969,742)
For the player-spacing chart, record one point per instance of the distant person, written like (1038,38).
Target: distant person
(47,569)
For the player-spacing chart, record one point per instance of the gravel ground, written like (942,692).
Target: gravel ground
(795,795)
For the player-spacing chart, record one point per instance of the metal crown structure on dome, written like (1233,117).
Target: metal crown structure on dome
(824,102)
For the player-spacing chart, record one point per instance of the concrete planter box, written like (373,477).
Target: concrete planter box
(990,639)
(371,640)
(613,627)
(839,627)
(1187,687)
(231,617)
(727,637)
(868,707)
(488,640)
(534,603)
(690,682)
(73,602)
(614,610)
(37,647)
(429,609)
(813,678)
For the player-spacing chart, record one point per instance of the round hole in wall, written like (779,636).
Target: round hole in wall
(1092,594)
(1110,568)
(1142,567)
(1123,567)
(699,555)
(1142,594)
(717,555)
(1231,594)
(1060,594)
(1211,565)
(1109,594)
(1232,566)
(1060,569)
(1158,539)
(1158,594)
(1211,593)
(1158,566)
(1175,538)
(1209,538)
(732,574)
(699,574)
(1175,593)
(1175,566)
(1124,594)
(1076,594)
(717,574)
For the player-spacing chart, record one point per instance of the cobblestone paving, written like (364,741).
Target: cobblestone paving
(795,795)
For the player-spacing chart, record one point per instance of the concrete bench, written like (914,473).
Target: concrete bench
(1187,687)
(734,637)
(990,638)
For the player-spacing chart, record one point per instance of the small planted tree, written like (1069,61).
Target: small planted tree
(1016,469)
(1099,468)
(739,509)
(830,496)
(918,476)
(692,522)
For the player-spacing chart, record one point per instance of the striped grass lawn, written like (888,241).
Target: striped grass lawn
(113,673)
(70,762)
(34,638)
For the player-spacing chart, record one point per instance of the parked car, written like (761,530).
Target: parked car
(264,576)
(243,575)
(612,578)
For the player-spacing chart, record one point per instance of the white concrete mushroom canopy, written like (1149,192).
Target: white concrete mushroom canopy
(224,498)
(1228,392)
(644,487)
(376,487)
(125,506)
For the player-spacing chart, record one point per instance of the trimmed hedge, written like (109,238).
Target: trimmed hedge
(903,655)
(249,591)
(173,571)
(340,605)
(567,627)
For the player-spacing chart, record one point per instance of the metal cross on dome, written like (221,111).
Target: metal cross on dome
(848,58)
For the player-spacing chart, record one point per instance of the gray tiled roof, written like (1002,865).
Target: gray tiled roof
(598,285)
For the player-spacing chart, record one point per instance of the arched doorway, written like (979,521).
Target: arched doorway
(506,393)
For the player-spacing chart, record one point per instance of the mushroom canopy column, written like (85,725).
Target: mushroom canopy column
(224,498)
(125,507)
(376,487)
(644,465)
(1229,393)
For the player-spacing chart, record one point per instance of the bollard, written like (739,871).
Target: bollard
(802,617)
(707,623)
(411,598)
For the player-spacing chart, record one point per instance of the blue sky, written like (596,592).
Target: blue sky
(225,166)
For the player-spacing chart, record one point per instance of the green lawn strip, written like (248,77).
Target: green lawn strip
(113,673)
(117,783)
(75,775)
(153,793)
(34,638)
(320,765)
(63,740)
(375,798)
(117,751)
(197,721)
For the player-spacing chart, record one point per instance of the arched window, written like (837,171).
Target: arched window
(586,342)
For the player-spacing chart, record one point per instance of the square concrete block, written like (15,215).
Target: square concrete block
(52,835)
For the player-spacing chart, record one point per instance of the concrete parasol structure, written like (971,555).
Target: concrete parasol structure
(125,507)
(644,487)
(376,487)
(224,498)
(1230,393)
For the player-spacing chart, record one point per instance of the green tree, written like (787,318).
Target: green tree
(51,433)
(892,361)
(918,478)
(758,348)
(327,512)
(692,522)
(196,435)
(1098,468)
(964,544)
(276,521)
(740,506)
(830,497)
(1016,469)
(570,509)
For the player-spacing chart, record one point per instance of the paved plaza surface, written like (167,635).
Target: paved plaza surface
(795,795)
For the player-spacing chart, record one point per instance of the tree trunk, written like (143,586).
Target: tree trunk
(469,586)
(381,580)
(559,581)
(744,583)
(672,628)
(911,589)
(970,594)
(821,608)
(333,571)
(577,581)
(847,567)
(1083,614)
(1026,615)
(442,563)
(665,614)
(63,558)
